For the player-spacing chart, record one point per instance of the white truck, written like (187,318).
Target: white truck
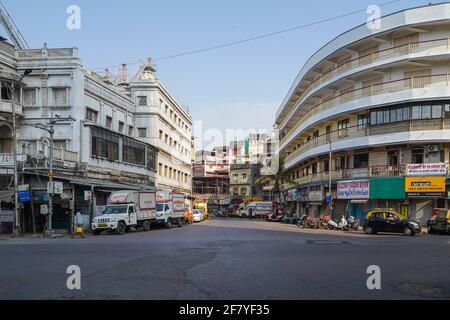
(126,210)
(170,209)
(255,209)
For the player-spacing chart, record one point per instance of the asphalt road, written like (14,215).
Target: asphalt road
(227,259)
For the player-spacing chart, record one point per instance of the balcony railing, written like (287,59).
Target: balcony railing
(350,174)
(435,45)
(6,106)
(58,154)
(439,80)
(363,131)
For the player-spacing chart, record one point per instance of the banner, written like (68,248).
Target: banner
(353,190)
(425,186)
(427,169)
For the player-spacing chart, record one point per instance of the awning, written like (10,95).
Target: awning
(105,185)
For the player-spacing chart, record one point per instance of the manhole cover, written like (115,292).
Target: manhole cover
(327,242)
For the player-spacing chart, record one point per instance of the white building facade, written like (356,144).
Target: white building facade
(379,100)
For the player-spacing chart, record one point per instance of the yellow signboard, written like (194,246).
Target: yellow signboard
(425,185)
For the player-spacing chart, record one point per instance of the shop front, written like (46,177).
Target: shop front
(424,194)
(357,195)
(389,193)
(315,200)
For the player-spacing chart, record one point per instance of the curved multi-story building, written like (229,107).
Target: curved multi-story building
(375,102)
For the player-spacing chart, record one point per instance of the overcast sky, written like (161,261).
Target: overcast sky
(238,87)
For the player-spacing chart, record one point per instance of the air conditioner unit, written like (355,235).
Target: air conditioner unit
(433,148)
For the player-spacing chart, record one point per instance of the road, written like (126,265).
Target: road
(227,259)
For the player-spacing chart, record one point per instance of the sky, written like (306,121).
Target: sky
(235,88)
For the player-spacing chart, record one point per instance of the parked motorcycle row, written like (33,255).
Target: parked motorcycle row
(325,222)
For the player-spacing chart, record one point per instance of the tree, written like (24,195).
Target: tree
(276,179)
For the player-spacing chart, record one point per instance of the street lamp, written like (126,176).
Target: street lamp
(16,176)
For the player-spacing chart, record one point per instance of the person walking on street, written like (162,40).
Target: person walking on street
(79,229)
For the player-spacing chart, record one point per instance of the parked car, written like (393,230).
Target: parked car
(197,215)
(387,220)
(440,222)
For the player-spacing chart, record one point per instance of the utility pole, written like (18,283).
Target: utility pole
(50,129)
(330,167)
(16,174)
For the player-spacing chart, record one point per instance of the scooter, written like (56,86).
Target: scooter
(341,225)
(353,224)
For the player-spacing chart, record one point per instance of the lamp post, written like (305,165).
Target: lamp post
(16,175)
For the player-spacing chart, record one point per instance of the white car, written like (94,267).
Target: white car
(197,215)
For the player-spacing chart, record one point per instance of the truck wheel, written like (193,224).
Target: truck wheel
(146,226)
(121,228)
(180,223)
(169,224)
(97,232)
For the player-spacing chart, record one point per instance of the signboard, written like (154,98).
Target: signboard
(44,209)
(88,196)
(316,196)
(24,193)
(353,190)
(425,186)
(291,195)
(427,169)
(6,216)
(55,187)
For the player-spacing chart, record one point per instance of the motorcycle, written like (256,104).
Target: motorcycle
(341,225)
(303,222)
(312,223)
(353,224)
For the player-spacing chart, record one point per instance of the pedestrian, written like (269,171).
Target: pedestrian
(79,228)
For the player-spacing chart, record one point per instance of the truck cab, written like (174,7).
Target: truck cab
(115,218)
(170,209)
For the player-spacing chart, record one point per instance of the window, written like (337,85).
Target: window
(160,134)
(29,97)
(108,122)
(91,115)
(105,144)
(166,138)
(244,176)
(426,112)
(416,113)
(160,169)
(142,100)
(436,112)
(6,91)
(418,156)
(343,128)
(360,161)
(363,121)
(133,152)
(142,132)
(121,126)
(60,97)
(393,158)
(243,191)
(130,131)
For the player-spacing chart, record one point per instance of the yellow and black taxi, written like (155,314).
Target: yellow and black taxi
(440,222)
(389,220)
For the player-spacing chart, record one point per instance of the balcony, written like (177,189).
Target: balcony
(366,131)
(383,88)
(350,174)
(435,46)
(6,106)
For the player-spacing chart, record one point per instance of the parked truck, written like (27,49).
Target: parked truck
(126,210)
(255,209)
(170,209)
